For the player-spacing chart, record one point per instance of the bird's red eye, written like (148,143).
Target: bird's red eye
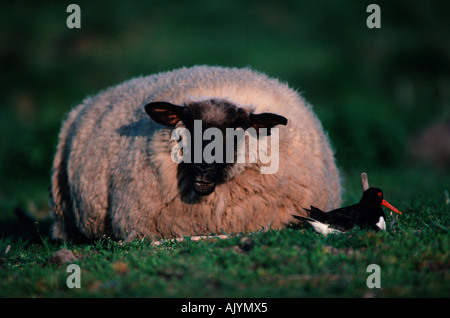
(380,194)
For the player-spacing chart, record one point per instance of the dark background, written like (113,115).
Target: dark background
(375,90)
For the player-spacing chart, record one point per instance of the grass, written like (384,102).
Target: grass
(413,255)
(373,90)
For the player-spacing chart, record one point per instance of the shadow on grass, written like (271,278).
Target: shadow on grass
(25,227)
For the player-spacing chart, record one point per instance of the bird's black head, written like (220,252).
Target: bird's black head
(374,197)
(371,204)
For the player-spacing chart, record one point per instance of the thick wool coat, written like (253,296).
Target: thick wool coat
(113,172)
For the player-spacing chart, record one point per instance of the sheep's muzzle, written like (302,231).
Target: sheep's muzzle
(205,178)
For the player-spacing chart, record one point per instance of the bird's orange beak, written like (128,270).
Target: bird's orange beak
(390,206)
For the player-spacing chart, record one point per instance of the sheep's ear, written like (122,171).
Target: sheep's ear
(164,113)
(266,120)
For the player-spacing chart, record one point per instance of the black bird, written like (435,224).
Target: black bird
(367,213)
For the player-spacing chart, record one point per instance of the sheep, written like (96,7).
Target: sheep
(113,171)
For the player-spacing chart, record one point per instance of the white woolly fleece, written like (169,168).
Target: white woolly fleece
(113,173)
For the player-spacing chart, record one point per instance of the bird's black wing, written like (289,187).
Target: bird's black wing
(317,214)
(302,218)
(344,218)
(342,224)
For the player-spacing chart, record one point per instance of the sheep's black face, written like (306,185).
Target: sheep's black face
(200,118)
(207,173)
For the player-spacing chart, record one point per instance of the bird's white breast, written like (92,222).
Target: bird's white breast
(381,223)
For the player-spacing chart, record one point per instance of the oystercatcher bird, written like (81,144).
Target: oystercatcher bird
(368,213)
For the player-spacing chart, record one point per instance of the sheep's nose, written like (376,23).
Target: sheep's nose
(205,172)
(203,168)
